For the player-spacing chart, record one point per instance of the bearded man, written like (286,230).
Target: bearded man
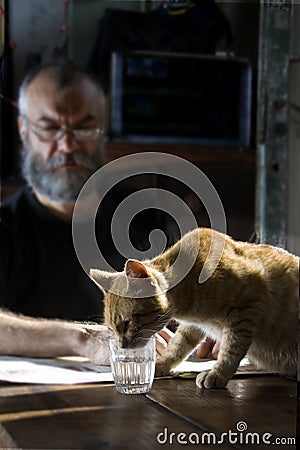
(61,124)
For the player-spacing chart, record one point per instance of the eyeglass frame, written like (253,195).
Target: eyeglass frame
(60,132)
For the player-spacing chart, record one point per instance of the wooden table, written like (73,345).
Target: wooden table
(95,416)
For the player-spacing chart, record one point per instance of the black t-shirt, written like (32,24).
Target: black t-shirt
(40,274)
(198,30)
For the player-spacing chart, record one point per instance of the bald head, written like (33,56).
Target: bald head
(62,77)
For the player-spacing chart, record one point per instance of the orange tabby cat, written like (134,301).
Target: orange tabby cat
(249,303)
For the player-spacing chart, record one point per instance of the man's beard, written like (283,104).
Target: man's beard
(58,185)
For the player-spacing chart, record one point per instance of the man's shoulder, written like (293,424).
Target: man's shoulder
(15,205)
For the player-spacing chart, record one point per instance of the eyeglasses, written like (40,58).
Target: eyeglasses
(55,134)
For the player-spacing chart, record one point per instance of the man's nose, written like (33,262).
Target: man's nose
(67,142)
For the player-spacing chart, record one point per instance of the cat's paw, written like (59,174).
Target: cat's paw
(162,369)
(211,380)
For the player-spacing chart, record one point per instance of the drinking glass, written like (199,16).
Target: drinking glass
(133,368)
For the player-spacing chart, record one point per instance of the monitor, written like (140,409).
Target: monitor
(180,98)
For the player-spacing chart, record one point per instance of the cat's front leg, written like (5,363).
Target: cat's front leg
(234,346)
(181,345)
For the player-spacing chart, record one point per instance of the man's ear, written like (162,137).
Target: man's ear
(22,128)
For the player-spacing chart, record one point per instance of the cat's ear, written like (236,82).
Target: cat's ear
(102,278)
(136,269)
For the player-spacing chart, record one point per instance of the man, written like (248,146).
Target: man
(61,120)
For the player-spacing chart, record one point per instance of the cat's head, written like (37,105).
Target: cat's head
(135,304)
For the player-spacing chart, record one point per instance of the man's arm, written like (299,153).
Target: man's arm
(31,337)
(46,338)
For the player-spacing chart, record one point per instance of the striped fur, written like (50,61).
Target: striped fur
(249,304)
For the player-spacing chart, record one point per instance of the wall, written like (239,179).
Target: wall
(293,238)
(35,33)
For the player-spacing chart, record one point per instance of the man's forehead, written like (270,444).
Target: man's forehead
(45,94)
(45,84)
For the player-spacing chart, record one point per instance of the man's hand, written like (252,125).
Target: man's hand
(208,348)
(163,338)
(96,346)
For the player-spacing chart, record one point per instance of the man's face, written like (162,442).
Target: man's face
(58,167)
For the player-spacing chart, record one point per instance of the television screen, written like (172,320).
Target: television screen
(180,98)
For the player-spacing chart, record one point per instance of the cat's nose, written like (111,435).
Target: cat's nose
(124,342)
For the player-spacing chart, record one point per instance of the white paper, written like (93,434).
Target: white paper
(75,370)
(52,371)
(190,369)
